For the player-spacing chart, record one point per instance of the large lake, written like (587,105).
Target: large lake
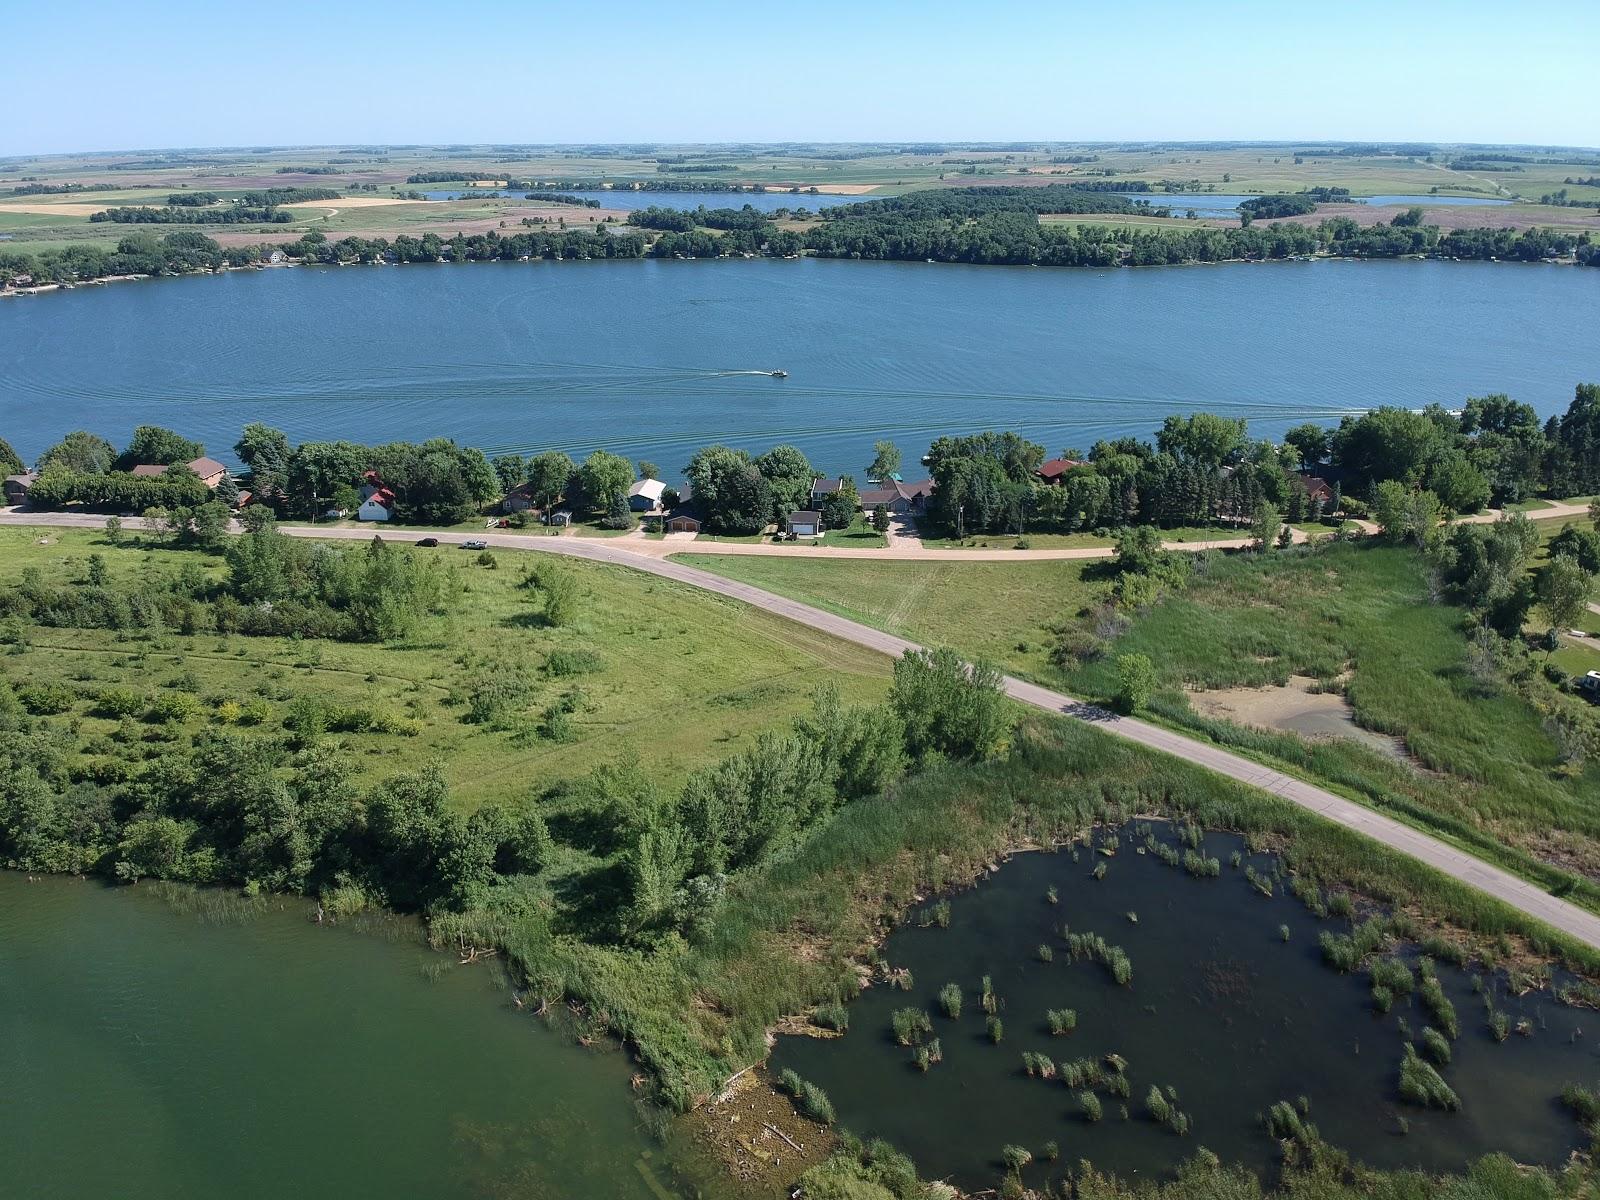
(151,1053)
(653,359)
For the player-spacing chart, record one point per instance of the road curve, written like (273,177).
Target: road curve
(1457,864)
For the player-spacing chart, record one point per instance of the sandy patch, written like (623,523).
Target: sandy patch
(826,189)
(353,202)
(54,210)
(1315,716)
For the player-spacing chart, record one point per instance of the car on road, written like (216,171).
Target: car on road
(475,544)
(427,541)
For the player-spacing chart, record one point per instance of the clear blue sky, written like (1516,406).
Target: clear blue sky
(94,74)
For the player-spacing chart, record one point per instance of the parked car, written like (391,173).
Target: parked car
(475,544)
(427,541)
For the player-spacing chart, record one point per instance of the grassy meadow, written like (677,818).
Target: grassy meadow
(1483,770)
(671,675)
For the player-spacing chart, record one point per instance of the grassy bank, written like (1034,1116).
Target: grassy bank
(791,934)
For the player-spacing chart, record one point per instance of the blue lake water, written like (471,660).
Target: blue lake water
(654,359)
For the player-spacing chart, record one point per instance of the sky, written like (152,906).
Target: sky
(95,75)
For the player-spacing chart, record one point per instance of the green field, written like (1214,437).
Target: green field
(1485,772)
(685,678)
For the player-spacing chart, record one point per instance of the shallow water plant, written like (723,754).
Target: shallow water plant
(1438,1004)
(1015,1157)
(815,1104)
(1061,1020)
(996,1029)
(950,1000)
(832,1016)
(910,1026)
(1420,1084)
(1090,1104)
(1436,1046)
(1045,952)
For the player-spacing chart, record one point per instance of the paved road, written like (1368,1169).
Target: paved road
(1458,864)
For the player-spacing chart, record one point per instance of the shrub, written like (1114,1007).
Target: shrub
(1136,682)
(46,699)
(950,1000)
(172,708)
(561,663)
(116,703)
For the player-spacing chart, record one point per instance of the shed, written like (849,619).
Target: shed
(558,518)
(803,523)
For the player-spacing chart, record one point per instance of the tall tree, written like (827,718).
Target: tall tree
(885,460)
(80,452)
(265,453)
(604,479)
(160,447)
(549,476)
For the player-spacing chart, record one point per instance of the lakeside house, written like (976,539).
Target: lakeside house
(803,523)
(518,499)
(1054,471)
(899,497)
(209,470)
(821,489)
(377,500)
(645,495)
(17,486)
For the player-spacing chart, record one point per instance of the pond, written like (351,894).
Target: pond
(655,359)
(1220,1008)
(151,1052)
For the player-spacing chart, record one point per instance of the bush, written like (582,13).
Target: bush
(46,699)
(1136,682)
(172,708)
(117,703)
(561,663)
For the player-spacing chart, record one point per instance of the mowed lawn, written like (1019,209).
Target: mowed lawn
(682,678)
(1003,612)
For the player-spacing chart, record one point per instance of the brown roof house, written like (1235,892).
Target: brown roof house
(16,486)
(898,497)
(210,471)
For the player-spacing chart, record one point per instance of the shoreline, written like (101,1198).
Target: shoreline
(6,292)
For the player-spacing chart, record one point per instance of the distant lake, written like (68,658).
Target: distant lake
(654,359)
(628,200)
(1210,204)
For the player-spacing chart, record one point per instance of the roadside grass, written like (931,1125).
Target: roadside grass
(1485,774)
(997,611)
(790,933)
(1074,541)
(684,679)
(859,536)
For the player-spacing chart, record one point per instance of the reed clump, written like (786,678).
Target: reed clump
(996,1029)
(1061,1021)
(1200,865)
(1051,897)
(911,1026)
(1436,1046)
(1037,1064)
(1421,1085)
(1439,1006)
(990,1002)
(928,1056)
(950,1000)
(832,1016)
(1090,1104)
(1045,952)
(1015,1157)
(1091,945)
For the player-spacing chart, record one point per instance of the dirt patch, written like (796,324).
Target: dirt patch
(54,210)
(353,202)
(1296,709)
(1451,216)
(755,1133)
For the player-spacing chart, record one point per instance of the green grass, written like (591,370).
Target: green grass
(1487,776)
(687,678)
(859,536)
(997,611)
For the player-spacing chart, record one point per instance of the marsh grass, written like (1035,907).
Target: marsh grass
(950,1000)
(832,1016)
(910,1026)
(1089,1105)
(1439,1006)
(1045,952)
(1436,1046)
(996,1029)
(1061,1021)
(1421,1085)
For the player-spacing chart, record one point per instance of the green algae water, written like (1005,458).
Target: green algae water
(151,1052)
(1220,1008)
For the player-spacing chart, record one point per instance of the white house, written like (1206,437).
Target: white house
(377,506)
(645,495)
